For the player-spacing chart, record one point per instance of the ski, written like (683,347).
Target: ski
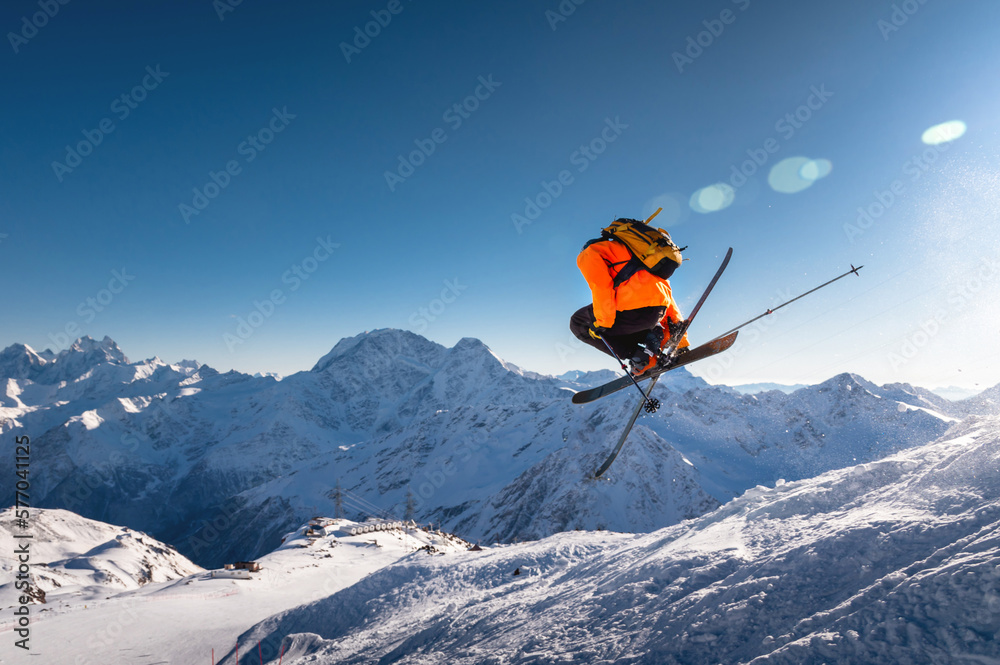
(585,396)
(703,351)
(706,350)
(628,428)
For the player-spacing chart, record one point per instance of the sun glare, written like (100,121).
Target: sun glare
(713,198)
(943,133)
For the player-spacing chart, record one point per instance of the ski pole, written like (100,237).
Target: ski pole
(651,404)
(852,271)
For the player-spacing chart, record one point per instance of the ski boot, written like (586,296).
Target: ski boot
(647,355)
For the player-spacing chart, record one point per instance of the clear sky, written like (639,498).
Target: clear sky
(245,184)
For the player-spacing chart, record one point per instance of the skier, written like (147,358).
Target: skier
(633,309)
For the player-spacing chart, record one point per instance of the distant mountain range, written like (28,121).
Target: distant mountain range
(754,388)
(952,393)
(222,465)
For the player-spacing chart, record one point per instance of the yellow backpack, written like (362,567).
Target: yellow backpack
(651,248)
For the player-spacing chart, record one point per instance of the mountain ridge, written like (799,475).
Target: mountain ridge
(472,442)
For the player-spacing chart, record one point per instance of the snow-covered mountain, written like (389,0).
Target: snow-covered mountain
(222,465)
(894,561)
(73,556)
(955,393)
(754,388)
(19,361)
(183,618)
(891,561)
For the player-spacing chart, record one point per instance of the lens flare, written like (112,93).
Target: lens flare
(673,213)
(943,133)
(712,198)
(815,169)
(785,176)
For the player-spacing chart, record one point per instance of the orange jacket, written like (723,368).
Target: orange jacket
(600,262)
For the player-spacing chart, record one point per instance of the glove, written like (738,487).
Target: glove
(674,328)
(596,331)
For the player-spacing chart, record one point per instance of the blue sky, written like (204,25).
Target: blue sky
(306,240)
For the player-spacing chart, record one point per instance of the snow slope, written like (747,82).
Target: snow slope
(893,561)
(183,620)
(74,556)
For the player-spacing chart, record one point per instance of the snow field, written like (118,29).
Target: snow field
(183,620)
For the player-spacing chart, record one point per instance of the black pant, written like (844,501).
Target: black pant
(630,328)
